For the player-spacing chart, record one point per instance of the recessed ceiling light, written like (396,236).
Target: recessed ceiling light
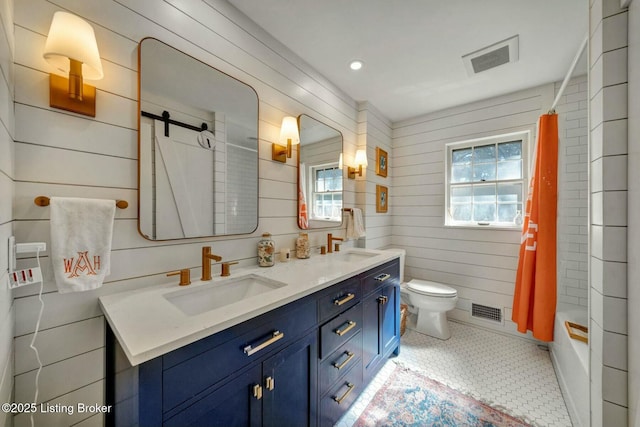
(356,65)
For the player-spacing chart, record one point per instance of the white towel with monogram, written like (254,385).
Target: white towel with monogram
(81,233)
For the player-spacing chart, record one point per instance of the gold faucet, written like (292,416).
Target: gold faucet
(226,268)
(330,240)
(207,256)
(185,276)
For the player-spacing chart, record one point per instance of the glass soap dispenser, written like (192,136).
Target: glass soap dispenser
(302,246)
(266,251)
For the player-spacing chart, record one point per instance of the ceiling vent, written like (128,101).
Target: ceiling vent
(492,56)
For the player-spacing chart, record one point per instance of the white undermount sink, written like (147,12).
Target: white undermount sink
(219,294)
(353,256)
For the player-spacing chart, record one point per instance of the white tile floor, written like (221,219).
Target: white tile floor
(507,372)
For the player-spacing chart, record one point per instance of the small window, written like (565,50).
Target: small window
(326,192)
(486,181)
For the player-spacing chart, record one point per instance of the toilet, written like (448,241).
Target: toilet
(430,301)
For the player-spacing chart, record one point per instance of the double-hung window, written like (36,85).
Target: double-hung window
(487,181)
(326,192)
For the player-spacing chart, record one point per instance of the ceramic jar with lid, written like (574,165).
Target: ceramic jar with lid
(266,251)
(302,246)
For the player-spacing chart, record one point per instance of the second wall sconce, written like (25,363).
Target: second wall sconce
(72,49)
(289,136)
(361,161)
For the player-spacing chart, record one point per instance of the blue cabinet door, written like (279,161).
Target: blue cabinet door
(290,385)
(370,333)
(237,403)
(390,320)
(381,328)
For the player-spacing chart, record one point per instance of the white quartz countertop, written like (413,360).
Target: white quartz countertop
(148,325)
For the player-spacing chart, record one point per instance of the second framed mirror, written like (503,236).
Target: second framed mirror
(320,177)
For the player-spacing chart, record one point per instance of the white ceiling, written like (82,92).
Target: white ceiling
(412,49)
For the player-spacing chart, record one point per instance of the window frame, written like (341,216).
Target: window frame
(311,191)
(525,136)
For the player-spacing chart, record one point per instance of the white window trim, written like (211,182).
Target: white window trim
(311,192)
(527,136)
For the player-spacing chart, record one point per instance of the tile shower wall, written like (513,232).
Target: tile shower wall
(608,92)
(481,264)
(633,242)
(6,202)
(573,195)
(63,154)
(241,210)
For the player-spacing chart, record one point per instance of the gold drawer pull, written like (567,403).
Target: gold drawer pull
(277,335)
(350,356)
(344,300)
(349,326)
(382,277)
(344,396)
(257,391)
(270,383)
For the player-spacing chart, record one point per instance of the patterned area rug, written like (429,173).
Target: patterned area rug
(409,398)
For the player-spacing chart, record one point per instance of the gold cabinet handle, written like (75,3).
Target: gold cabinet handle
(350,356)
(344,300)
(257,391)
(270,383)
(349,326)
(382,277)
(275,336)
(344,396)
(383,299)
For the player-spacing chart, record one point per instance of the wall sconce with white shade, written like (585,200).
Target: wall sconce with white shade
(290,136)
(71,48)
(361,161)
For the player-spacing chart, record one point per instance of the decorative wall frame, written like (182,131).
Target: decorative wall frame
(382,198)
(382,162)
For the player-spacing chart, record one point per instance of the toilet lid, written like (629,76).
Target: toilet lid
(433,289)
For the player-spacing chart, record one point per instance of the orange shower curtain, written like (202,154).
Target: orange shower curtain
(534,301)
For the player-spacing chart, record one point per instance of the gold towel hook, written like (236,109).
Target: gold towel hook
(45,201)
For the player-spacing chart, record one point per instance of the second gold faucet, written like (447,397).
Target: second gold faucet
(330,240)
(207,256)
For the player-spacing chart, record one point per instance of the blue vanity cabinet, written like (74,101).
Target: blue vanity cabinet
(381,316)
(299,365)
(247,375)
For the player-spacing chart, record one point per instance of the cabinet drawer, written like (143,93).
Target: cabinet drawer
(336,402)
(336,332)
(387,274)
(340,361)
(339,298)
(187,379)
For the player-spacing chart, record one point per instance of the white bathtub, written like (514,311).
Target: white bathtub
(571,362)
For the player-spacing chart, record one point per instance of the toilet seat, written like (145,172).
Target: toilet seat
(431,289)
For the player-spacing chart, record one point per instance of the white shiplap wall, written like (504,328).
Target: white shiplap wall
(62,154)
(6,202)
(480,264)
(374,130)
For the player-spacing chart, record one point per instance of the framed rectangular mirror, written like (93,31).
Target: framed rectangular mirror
(197,148)
(320,176)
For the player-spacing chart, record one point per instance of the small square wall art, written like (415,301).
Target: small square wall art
(382,198)
(382,162)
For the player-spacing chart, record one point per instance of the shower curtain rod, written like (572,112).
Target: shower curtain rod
(552,110)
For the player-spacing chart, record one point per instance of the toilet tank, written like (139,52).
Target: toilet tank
(403,254)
